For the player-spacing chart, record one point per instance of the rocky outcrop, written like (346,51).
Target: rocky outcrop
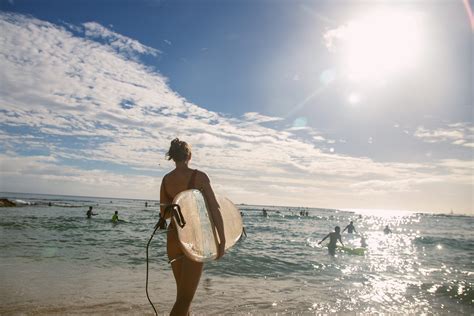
(6,203)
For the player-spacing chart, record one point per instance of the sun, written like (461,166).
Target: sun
(377,44)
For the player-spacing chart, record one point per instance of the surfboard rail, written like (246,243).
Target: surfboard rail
(359,251)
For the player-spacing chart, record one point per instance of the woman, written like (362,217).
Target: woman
(187,273)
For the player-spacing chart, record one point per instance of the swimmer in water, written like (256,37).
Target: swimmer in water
(89,213)
(387,230)
(333,238)
(115,217)
(350,228)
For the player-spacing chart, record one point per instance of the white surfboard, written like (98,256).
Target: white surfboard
(198,238)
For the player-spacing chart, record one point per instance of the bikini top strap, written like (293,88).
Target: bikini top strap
(192,181)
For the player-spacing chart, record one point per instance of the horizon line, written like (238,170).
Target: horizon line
(353,210)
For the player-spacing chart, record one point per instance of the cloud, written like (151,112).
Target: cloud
(390,187)
(259,118)
(38,173)
(122,43)
(79,116)
(334,36)
(319,138)
(457,134)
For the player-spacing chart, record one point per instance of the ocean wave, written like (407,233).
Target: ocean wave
(22,202)
(459,243)
(460,291)
(461,216)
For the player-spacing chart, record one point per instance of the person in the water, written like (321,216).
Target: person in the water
(333,238)
(89,213)
(387,230)
(350,228)
(115,217)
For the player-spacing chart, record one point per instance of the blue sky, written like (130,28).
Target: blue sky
(344,104)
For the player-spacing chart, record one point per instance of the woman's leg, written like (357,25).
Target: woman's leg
(187,274)
(186,284)
(174,252)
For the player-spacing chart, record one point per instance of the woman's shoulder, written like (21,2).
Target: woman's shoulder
(201,175)
(168,175)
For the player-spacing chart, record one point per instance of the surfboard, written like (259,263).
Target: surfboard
(198,238)
(352,251)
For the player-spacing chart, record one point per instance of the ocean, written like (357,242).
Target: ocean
(55,261)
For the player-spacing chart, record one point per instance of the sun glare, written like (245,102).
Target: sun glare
(353,98)
(377,44)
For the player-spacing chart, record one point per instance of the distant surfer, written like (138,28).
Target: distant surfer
(350,228)
(90,213)
(187,273)
(333,238)
(387,230)
(115,217)
(146,204)
(264,213)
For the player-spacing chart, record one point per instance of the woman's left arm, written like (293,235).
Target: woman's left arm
(163,199)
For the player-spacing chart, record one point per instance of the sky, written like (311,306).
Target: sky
(331,104)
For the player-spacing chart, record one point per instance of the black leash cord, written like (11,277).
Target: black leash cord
(147,246)
(181,222)
(146,284)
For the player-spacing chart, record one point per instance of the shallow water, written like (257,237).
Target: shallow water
(55,261)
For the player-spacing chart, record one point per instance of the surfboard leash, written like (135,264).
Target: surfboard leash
(146,282)
(175,211)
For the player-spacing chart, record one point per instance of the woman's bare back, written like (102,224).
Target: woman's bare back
(180,180)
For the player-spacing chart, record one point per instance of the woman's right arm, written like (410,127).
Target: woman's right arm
(163,199)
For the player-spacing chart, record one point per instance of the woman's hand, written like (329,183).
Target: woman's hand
(220,250)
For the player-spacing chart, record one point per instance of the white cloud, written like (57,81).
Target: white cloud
(122,43)
(456,134)
(38,173)
(390,187)
(259,118)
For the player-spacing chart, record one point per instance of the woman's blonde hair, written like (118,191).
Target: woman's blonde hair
(179,151)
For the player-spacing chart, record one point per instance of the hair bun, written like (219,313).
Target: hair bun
(179,150)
